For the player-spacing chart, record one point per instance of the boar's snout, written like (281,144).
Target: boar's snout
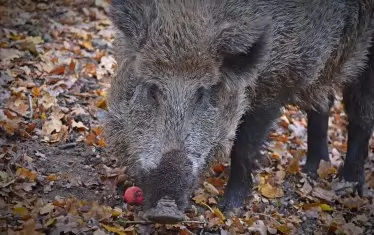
(167,187)
(166,212)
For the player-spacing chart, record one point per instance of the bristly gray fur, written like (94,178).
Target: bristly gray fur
(188,70)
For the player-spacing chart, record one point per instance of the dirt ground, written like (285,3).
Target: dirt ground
(57,176)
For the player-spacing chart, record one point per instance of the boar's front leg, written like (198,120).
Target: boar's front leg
(318,123)
(250,135)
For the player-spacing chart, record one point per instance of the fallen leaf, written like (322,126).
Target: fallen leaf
(26,173)
(284,229)
(326,207)
(218,168)
(7,55)
(325,169)
(351,228)
(114,229)
(88,45)
(52,177)
(59,70)
(294,165)
(90,69)
(201,198)
(20,211)
(210,188)
(116,212)
(53,125)
(259,227)
(102,104)
(50,222)
(218,213)
(324,194)
(352,202)
(47,208)
(270,191)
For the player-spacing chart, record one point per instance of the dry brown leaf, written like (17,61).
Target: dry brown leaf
(210,188)
(46,209)
(325,169)
(324,194)
(351,228)
(48,101)
(53,125)
(218,168)
(26,173)
(35,91)
(352,202)
(52,177)
(78,125)
(87,45)
(200,198)
(58,71)
(294,165)
(270,191)
(90,69)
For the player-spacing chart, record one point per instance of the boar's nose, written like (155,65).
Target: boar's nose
(166,212)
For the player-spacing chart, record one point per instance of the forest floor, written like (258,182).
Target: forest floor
(56,175)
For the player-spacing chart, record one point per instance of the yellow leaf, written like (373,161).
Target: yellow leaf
(43,116)
(20,211)
(116,212)
(206,205)
(219,214)
(50,222)
(326,207)
(269,191)
(102,104)
(118,229)
(283,229)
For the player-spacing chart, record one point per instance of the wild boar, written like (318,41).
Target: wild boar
(197,78)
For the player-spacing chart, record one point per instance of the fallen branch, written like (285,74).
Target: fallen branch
(150,222)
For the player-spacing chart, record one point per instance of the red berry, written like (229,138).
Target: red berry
(133,195)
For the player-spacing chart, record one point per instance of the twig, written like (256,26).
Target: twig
(30,105)
(9,183)
(68,145)
(150,222)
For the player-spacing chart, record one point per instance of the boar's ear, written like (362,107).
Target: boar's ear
(132,18)
(242,56)
(242,39)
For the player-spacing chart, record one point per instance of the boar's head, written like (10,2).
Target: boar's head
(185,71)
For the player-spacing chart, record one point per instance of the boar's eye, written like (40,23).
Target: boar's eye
(199,96)
(214,94)
(154,93)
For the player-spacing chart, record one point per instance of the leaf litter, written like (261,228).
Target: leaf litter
(56,175)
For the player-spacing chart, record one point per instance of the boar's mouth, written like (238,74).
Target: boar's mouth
(166,212)
(167,188)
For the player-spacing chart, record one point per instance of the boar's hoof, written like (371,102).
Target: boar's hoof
(353,174)
(166,212)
